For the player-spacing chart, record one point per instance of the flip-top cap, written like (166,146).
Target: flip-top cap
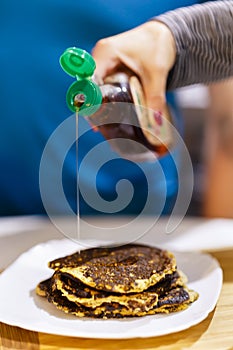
(90,94)
(77,63)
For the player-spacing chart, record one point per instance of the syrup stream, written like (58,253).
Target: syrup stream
(78,234)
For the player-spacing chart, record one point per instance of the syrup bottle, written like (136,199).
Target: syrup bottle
(116,107)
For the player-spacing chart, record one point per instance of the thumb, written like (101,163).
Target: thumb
(159,131)
(154,86)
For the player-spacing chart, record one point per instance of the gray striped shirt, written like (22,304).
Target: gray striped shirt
(204,42)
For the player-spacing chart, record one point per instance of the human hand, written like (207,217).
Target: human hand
(148,50)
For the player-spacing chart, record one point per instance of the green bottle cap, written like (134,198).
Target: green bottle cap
(84,96)
(77,63)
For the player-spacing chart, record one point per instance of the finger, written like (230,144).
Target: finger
(154,86)
(105,57)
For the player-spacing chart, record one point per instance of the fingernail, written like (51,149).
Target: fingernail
(158,117)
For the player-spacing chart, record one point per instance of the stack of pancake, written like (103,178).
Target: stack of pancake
(115,282)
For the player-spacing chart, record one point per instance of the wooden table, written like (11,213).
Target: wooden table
(215,332)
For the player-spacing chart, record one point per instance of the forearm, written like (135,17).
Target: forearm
(218,192)
(218,154)
(204,42)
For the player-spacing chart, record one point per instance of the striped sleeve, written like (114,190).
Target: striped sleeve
(204,41)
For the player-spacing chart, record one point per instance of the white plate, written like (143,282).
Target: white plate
(20,306)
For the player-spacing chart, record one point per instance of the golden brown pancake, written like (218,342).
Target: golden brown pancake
(90,297)
(128,269)
(96,298)
(116,282)
(174,300)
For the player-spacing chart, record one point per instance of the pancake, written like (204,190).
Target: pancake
(42,288)
(174,300)
(80,257)
(90,297)
(106,310)
(116,282)
(127,269)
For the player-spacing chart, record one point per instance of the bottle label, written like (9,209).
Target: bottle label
(155,126)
